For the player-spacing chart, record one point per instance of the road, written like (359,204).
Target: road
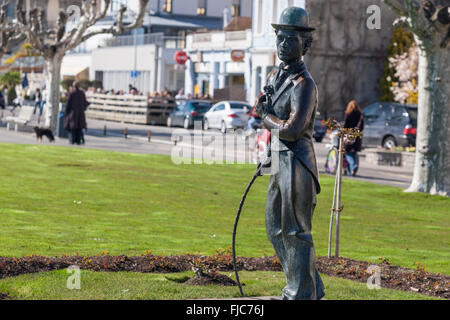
(196,144)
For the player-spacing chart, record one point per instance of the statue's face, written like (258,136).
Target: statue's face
(289,45)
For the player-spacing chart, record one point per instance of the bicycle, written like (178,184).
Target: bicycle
(332,159)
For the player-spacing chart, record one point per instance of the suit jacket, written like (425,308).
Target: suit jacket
(292,114)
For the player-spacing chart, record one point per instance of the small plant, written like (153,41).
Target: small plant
(420,268)
(384,260)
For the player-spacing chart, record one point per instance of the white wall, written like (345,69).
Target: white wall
(120,61)
(266,12)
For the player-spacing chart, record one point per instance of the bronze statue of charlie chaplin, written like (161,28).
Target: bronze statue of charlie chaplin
(288,110)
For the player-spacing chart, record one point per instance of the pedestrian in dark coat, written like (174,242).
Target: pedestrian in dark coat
(75,119)
(353,119)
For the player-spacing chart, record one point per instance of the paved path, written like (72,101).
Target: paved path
(162,143)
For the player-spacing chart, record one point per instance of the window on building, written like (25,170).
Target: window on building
(201,9)
(275,11)
(167,7)
(290,3)
(236,8)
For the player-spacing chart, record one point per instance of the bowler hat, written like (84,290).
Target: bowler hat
(294,18)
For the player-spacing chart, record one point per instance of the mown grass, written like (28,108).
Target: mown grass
(61,200)
(129,285)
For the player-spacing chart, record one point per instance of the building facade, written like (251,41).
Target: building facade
(218,60)
(146,55)
(347,58)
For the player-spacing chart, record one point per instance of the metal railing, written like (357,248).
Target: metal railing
(158,39)
(128,108)
(235,35)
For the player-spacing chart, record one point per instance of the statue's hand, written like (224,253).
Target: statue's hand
(259,104)
(263,106)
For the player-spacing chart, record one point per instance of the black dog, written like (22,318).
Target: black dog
(40,132)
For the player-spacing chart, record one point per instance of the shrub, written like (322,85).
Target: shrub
(97,84)
(402,40)
(11,78)
(11,94)
(66,83)
(84,84)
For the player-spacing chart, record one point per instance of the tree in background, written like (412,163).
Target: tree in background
(11,79)
(26,50)
(404,87)
(429,20)
(53,43)
(8,30)
(402,40)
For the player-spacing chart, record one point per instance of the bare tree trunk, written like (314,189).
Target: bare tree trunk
(432,164)
(53,43)
(53,81)
(430,22)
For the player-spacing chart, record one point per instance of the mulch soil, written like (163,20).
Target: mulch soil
(393,277)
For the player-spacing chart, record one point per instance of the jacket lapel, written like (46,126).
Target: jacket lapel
(286,84)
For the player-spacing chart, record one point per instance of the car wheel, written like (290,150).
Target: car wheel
(223,127)
(169,122)
(389,142)
(205,125)
(186,123)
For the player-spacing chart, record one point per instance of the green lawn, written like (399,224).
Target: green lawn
(61,200)
(130,285)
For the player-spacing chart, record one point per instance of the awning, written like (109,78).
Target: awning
(73,71)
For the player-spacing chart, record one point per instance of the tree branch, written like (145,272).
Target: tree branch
(120,28)
(398,6)
(8,31)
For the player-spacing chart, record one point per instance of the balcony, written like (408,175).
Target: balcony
(158,39)
(216,40)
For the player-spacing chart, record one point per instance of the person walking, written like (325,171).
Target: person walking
(75,118)
(353,119)
(37,100)
(43,102)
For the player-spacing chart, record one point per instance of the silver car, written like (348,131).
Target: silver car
(226,115)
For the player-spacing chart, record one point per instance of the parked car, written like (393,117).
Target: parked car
(389,124)
(226,115)
(187,112)
(319,129)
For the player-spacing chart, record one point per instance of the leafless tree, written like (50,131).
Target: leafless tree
(429,20)
(8,30)
(54,43)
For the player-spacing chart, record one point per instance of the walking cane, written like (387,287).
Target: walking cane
(241,204)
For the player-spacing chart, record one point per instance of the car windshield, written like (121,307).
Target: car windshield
(234,105)
(201,106)
(412,115)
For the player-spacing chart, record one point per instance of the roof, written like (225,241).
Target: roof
(239,24)
(183,22)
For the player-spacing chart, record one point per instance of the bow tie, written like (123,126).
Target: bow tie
(293,66)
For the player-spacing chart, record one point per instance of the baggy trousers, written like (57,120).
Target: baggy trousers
(290,204)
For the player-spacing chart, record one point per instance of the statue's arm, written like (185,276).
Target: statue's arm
(302,107)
